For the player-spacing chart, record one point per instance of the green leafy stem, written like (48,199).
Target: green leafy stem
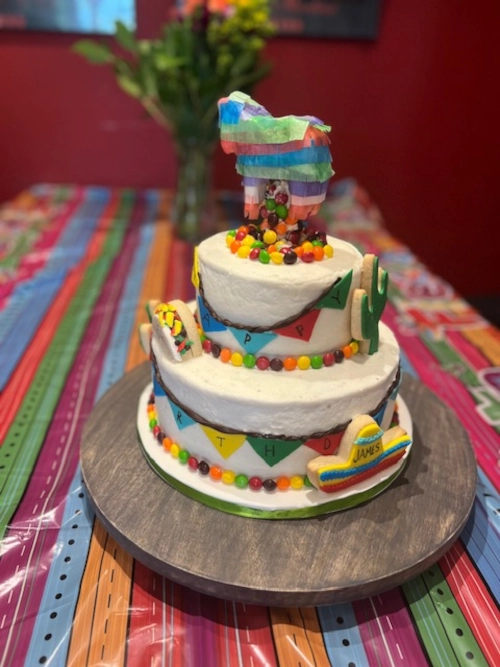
(180,76)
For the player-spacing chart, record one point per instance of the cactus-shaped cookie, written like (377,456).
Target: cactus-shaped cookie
(368,304)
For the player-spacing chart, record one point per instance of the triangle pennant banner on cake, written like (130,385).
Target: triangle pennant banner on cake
(301,328)
(157,390)
(379,416)
(195,271)
(326,445)
(225,443)
(182,419)
(207,322)
(337,294)
(252,342)
(273,451)
(395,390)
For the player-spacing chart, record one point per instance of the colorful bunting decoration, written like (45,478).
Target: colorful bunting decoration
(195,271)
(337,295)
(326,445)
(225,443)
(157,390)
(273,451)
(182,419)
(379,416)
(207,322)
(301,328)
(252,342)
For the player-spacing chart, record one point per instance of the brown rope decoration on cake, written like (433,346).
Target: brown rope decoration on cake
(224,429)
(278,325)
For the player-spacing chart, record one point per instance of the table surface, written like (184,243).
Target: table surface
(77,265)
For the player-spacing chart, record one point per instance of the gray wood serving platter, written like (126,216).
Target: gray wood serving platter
(301,562)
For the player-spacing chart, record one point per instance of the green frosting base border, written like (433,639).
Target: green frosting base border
(253,513)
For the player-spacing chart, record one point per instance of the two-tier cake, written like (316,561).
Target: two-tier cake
(274,393)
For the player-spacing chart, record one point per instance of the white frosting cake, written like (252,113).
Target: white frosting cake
(257,295)
(275,426)
(281,388)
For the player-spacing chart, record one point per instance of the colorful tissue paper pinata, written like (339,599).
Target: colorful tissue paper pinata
(291,148)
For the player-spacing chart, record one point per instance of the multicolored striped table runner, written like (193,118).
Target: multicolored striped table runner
(77,265)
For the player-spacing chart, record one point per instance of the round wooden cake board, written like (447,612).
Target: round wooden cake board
(302,562)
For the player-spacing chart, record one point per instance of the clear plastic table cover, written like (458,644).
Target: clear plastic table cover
(76,266)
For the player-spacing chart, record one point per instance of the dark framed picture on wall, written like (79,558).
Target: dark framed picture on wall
(75,16)
(340,19)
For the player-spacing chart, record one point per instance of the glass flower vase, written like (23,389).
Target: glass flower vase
(194,206)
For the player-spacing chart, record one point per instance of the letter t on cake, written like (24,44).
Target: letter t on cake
(275,393)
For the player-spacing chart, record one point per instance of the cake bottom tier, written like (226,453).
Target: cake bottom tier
(265,426)
(222,494)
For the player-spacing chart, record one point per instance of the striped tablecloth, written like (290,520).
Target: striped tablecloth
(77,265)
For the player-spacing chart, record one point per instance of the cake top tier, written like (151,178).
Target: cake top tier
(252,294)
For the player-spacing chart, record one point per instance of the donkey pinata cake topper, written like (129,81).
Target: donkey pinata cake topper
(290,148)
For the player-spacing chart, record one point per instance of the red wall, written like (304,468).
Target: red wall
(414,118)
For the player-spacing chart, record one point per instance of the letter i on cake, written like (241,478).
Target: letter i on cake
(273,394)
